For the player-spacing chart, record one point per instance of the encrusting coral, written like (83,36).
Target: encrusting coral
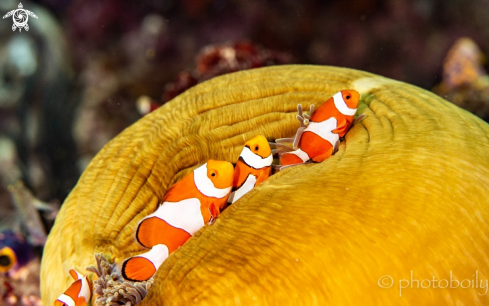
(465,82)
(111,289)
(404,197)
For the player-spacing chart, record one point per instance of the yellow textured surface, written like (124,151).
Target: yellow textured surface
(407,191)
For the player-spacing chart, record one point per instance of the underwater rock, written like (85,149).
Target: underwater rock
(22,235)
(21,288)
(403,198)
(219,59)
(35,106)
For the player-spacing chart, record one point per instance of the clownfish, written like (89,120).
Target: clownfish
(195,200)
(252,168)
(320,135)
(78,294)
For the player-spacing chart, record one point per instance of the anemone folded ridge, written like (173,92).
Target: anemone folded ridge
(404,198)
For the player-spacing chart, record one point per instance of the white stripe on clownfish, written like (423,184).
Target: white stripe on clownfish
(66,299)
(324,129)
(85,289)
(254,160)
(171,212)
(341,105)
(244,189)
(156,255)
(205,185)
(78,291)
(301,154)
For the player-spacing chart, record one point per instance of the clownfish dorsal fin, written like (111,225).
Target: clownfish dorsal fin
(75,275)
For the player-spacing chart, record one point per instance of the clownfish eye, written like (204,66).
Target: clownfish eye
(213,174)
(256,148)
(348,97)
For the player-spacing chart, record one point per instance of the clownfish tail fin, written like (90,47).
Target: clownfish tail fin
(142,267)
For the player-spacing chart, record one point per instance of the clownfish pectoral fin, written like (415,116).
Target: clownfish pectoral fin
(214,212)
(143,267)
(264,174)
(341,130)
(75,275)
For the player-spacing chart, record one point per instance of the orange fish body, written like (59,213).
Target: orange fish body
(78,294)
(192,202)
(326,125)
(252,168)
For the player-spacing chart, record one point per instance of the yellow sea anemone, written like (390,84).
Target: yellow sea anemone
(403,200)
